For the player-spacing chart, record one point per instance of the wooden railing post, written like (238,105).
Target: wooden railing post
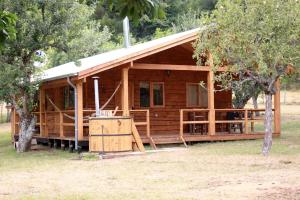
(61,124)
(148,122)
(211,104)
(42,103)
(277,121)
(252,122)
(80,109)
(125,92)
(246,121)
(181,123)
(46,133)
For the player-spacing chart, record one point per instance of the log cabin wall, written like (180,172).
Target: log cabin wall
(165,119)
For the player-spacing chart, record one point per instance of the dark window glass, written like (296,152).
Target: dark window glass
(68,97)
(158,94)
(144,94)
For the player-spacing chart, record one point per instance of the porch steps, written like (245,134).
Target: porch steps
(167,140)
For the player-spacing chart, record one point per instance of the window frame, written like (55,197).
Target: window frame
(140,94)
(152,95)
(199,99)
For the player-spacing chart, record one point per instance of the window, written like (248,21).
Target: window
(144,94)
(157,94)
(68,97)
(196,95)
(151,94)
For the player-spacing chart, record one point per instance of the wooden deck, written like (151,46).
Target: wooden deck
(174,138)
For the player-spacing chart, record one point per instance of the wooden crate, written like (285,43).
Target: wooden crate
(113,134)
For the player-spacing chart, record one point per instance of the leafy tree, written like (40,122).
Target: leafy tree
(91,40)
(258,39)
(41,25)
(7,27)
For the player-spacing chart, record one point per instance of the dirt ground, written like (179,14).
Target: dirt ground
(223,170)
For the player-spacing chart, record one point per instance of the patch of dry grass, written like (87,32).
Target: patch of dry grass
(222,170)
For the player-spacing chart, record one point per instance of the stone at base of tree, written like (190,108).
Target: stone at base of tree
(34,145)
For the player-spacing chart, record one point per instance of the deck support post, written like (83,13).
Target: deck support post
(125,92)
(277,121)
(80,109)
(211,99)
(42,102)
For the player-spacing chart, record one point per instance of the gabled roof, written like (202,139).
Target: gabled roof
(108,60)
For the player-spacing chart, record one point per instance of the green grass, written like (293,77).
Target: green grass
(3,118)
(10,160)
(209,168)
(287,144)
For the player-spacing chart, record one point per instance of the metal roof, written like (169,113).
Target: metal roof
(98,61)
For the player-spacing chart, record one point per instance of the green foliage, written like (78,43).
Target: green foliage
(187,21)
(7,27)
(42,25)
(162,33)
(91,40)
(256,38)
(146,25)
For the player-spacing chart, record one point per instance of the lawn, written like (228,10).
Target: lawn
(222,170)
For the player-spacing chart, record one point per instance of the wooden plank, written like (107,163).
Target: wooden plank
(46,128)
(246,121)
(148,123)
(110,135)
(277,121)
(169,67)
(141,123)
(211,100)
(181,123)
(125,92)
(195,122)
(183,140)
(61,127)
(137,137)
(228,121)
(137,55)
(42,102)
(152,143)
(80,109)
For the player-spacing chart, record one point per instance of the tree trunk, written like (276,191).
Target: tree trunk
(255,104)
(268,125)
(27,125)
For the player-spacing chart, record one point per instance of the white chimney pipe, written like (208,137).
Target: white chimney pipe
(96,89)
(126,32)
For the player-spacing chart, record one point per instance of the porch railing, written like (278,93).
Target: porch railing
(62,119)
(245,117)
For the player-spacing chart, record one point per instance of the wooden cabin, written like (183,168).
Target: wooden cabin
(156,84)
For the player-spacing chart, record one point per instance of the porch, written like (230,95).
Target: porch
(59,125)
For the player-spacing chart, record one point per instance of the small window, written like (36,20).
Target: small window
(68,97)
(144,94)
(196,96)
(157,94)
